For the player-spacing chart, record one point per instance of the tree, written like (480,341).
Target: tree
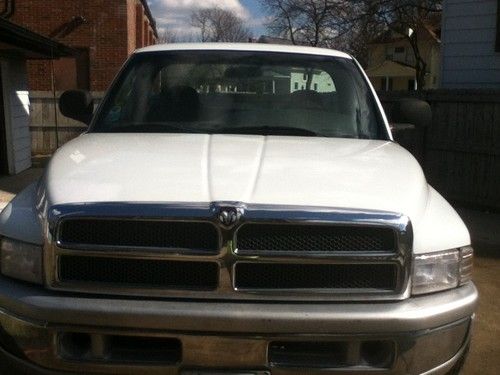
(350,25)
(308,22)
(339,24)
(219,25)
(168,36)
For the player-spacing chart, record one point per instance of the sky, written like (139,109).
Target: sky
(174,15)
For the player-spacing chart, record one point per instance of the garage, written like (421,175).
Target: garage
(17,45)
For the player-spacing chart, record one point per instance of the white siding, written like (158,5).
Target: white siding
(469,59)
(16,103)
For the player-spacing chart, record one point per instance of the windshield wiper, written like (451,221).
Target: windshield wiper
(148,127)
(151,127)
(269,130)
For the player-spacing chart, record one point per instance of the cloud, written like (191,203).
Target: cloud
(190,5)
(258,22)
(175,15)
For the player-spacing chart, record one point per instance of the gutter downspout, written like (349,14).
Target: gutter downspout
(54,97)
(9,9)
(67,29)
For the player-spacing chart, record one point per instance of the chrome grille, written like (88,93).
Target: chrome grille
(253,238)
(185,251)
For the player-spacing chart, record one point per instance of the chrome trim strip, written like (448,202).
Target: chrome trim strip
(228,254)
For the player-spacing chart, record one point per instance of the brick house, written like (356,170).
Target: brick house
(104,31)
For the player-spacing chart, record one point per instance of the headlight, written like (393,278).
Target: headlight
(21,260)
(434,272)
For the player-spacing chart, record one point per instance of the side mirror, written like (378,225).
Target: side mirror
(77,104)
(410,111)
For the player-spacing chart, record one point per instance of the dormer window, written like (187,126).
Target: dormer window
(396,53)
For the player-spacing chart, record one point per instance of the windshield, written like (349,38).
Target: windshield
(221,92)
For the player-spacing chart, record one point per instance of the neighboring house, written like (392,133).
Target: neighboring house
(392,60)
(296,81)
(471,44)
(103,32)
(321,81)
(17,45)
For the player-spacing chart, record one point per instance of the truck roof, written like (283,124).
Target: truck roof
(243,47)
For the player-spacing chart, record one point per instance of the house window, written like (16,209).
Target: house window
(389,53)
(411,85)
(296,85)
(399,54)
(498,27)
(395,53)
(387,84)
(315,87)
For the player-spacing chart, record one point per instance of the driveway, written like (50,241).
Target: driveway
(484,358)
(11,185)
(485,231)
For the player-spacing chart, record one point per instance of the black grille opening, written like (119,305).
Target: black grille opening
(75,345)
(139,272)
(118,348)
(315,276)
(314,238)
(308,354)
(145,349)
(332,354)
(139,233)
(378,354)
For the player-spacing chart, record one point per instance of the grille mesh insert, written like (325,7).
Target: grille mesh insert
(139,272)
(314,238)
(139,233)
(315,276)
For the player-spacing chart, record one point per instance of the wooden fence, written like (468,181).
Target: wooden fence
(461,149)
(49,128)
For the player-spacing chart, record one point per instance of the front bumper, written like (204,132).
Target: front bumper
(75,333)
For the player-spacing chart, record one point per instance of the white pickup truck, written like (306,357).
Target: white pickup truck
(235,209)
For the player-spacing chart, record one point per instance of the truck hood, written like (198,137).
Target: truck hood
(330,172)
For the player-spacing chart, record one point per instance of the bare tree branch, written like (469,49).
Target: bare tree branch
(219,25)
(351,25)
(168,36)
